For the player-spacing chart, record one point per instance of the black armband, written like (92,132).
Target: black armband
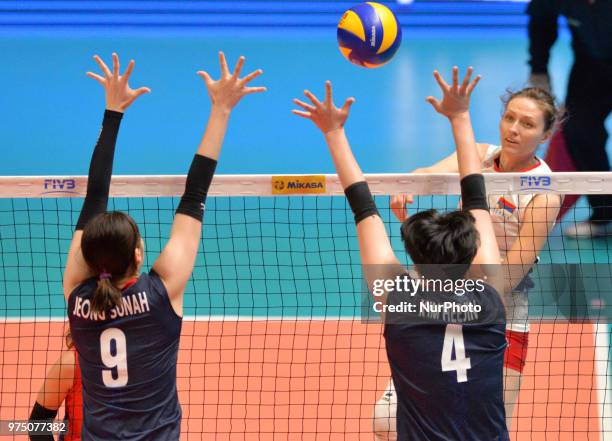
(100,169)
(198,181)
(473,193)
(361,201)
(41,413)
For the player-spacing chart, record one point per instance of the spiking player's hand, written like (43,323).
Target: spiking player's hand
(455,99)
(325,115)
(119,95)
(227,91)
(398,205)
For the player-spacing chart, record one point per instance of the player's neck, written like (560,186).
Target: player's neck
(506,164)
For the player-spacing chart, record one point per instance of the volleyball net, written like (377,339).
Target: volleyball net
(275,344)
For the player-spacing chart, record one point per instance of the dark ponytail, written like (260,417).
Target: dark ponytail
(108,245)
(106,297)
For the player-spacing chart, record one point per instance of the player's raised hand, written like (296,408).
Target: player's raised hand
(227,91)
(119,95)
(325,115)
(456,98)
(398,205)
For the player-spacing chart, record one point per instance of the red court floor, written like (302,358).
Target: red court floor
(313,380)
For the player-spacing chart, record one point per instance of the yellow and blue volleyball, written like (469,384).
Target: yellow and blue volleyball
(369,34)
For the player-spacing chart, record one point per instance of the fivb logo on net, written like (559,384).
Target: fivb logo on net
(59,185)
(535,181)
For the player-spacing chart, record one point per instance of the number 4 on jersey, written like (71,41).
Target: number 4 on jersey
(453,338)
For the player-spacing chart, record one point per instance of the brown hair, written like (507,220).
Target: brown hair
(108,245)
(545,101)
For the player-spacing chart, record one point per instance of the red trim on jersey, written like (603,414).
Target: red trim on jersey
(499,170)
(129,283)
(74,404)
(516,351)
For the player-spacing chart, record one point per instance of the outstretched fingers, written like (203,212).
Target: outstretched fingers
(435,103)
(312,98)
(301,113)
(455,88)
(136,93)
(115,66)
(105,70)
(141,91)
(248,90)
(347,104)
(328,93)
(251,76)
(445,87)
(466,80)
(304,105)
(204,75)
(223,64)
(471,87)
(238,67)
(96,77)
(126,75)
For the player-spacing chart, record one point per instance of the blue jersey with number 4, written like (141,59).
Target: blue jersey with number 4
(447,365)
(128,361)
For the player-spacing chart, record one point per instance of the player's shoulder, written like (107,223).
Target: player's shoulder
(86,287)
(154,282)
(488,153)
(542,167)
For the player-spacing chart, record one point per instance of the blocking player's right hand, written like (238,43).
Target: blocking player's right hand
(398,205)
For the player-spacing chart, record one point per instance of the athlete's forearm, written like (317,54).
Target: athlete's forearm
(100,169)
(347,167)
(204,163)
(212,140)
(467,152)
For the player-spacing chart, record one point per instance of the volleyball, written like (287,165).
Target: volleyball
(369,34)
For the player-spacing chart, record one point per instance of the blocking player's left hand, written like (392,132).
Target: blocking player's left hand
(227,91)
(119,95)
(325,115)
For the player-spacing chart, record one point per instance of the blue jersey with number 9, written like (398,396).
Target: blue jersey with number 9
(128,359)
(446,361)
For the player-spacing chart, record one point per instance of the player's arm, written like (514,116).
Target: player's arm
(455,106)
(175,263)
(119,96)
(374,244)
(446,165)
(450,164)
(537,223)
(51,395)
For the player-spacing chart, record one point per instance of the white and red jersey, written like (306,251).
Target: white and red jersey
(508,210)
